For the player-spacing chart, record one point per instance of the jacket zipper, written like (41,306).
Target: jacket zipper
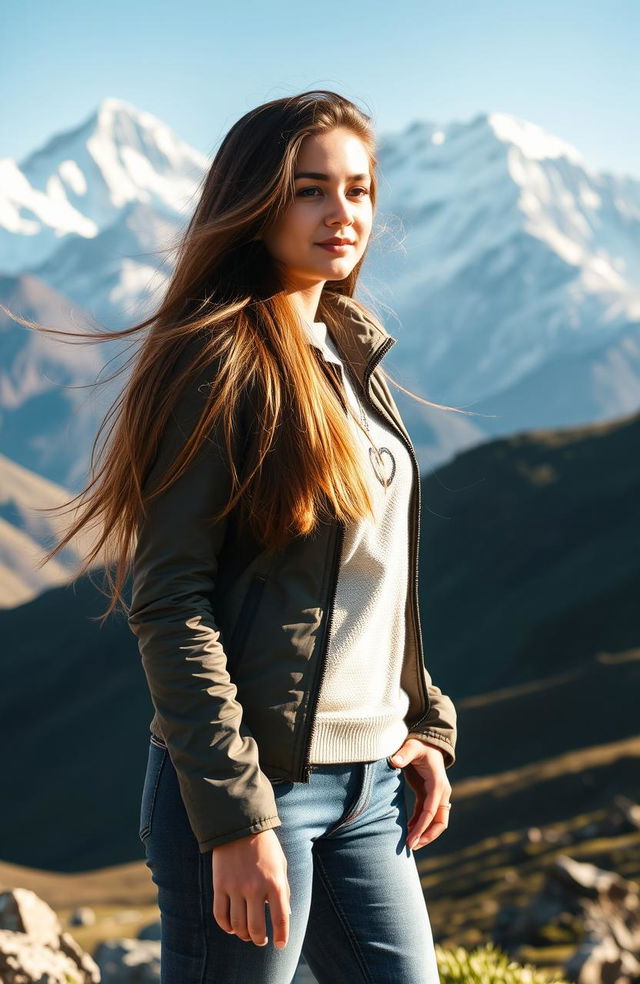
(415,536)
(311,716)
(315,693)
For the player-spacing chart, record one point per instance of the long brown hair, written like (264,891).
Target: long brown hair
(225,307)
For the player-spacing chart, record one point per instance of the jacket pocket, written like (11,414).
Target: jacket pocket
(155,762)
(245,618)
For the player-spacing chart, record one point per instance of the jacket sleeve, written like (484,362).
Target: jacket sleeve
(174,569)
(440,726)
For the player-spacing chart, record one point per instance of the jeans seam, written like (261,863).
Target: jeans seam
(343,920)
(367,797)
(365,793)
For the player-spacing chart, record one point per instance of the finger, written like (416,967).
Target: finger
(279,909)
(417,827)
(221,906)
(256,922)
(238,916)
(417,810)
(435,829)
(443,816)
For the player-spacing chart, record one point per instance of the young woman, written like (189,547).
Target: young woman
(261,466)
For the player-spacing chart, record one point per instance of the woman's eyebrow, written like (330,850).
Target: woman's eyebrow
(319,176)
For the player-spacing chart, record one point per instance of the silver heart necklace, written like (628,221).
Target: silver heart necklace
(384,468)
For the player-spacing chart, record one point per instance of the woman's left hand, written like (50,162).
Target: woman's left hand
(425,772)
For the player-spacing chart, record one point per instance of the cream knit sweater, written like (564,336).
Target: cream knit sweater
(361,705)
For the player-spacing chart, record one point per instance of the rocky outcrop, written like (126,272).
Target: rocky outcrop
(597,908)
(33,947)
(35,950)
(610,951)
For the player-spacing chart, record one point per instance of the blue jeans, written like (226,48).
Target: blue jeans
(357,908)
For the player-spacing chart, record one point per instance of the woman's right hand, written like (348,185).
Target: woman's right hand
(248,872)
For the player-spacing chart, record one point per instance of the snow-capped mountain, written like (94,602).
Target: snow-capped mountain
(513,254)
(508,269)
(89,207)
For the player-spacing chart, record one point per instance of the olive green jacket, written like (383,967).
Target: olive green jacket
(233,636)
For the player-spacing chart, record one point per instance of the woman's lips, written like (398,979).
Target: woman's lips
(335,248)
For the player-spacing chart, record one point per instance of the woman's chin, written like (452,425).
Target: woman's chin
(337,266)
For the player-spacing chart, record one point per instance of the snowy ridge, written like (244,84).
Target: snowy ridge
(80,181)
(515,253)
(509,268)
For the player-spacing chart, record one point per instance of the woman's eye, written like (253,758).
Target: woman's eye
(303,192)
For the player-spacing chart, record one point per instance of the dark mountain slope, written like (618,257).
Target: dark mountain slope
(530,573)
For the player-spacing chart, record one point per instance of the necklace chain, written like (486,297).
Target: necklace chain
(363,416)
(377,463)
(375,453)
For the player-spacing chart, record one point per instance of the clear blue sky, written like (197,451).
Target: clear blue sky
(570,66)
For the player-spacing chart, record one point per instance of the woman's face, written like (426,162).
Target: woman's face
(332,199)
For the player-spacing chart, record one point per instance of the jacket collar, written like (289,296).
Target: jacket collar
(319,338)
(359,336)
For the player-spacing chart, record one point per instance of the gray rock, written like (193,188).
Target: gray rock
(33,948)
(151,931)
(127,961)
(82,916)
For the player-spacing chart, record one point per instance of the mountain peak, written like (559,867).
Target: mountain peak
(532,140)
(112,104)
(455,138)
(81,179)
(120,121)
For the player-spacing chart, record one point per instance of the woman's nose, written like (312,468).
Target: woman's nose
(341,209)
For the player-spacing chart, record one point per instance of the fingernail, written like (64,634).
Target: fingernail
(280,945)
(398,758)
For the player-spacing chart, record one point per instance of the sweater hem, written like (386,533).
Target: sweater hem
(347,740)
